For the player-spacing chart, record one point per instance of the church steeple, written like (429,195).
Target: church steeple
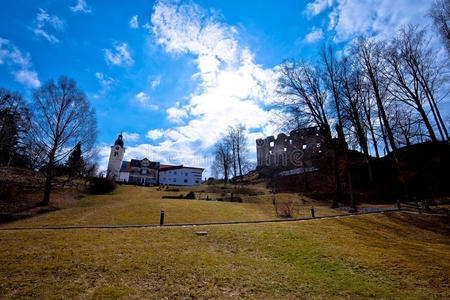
(119,141)
(115,158)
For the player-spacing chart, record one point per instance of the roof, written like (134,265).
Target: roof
(173,167)
(125,166)
(137,164)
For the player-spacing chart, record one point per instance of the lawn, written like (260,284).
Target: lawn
(389,256)
(131,205)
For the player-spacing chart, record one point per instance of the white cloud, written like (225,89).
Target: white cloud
(43,18)
(176,115)
(156,82)
(105,81)
(120,56)
(134,22)
(19,64)
(81,6)
(131,137)
(43,21)
(233,89)
(316,7)
(49,37)
(27,78)
(314,36)
(381,18)
(155,134)
(145,101)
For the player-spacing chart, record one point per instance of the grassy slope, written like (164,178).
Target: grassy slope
(130,205)
(382,256)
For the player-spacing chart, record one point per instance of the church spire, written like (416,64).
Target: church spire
(119,141)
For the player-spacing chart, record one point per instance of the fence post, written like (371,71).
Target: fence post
(312,212)
(161,220)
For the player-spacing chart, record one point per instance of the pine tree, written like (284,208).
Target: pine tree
(75,162)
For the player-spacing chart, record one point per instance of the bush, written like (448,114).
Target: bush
(285,209)
(234,199)
(190,195)
(101,185)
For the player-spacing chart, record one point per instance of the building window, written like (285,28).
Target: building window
(174,172)
(186,174)
(174,180)
(116,153)
(185,181)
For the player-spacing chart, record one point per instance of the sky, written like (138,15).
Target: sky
(173,75)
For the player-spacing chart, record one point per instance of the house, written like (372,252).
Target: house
(180,175)
(146,172)
(142,172)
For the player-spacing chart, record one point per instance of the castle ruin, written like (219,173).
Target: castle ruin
(302,148)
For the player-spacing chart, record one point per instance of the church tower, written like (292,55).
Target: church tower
(115,158)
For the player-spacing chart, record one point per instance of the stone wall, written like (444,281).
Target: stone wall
(301,148)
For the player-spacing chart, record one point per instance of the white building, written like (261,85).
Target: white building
(180,175)
(148,173)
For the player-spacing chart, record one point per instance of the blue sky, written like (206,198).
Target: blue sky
(173,75)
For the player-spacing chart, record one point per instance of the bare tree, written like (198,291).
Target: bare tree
(352,89)
(301,85)
(415,75)
(331,80)
(406,124)
(369,55)
(62,118)
(222,158)
(230,139)
(237,141)
(440,13)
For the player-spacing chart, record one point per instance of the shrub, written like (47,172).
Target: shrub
(101,185)
(285,209)
(190,195)
(234,199)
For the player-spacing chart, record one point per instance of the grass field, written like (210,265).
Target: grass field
(387,256)
(131,205)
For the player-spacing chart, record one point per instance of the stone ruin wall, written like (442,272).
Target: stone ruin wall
(300,149)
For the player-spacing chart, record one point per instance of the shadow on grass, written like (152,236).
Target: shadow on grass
(29,213)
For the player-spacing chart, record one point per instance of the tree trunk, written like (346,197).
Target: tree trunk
(432,102)
(332,161)
(426,121)
(47,190)
(381,110)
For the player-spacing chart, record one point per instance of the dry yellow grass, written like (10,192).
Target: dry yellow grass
(387,256)
(130,205)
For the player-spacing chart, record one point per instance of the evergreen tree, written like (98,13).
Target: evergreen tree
(75,162)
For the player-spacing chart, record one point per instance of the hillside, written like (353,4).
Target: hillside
(389,256)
